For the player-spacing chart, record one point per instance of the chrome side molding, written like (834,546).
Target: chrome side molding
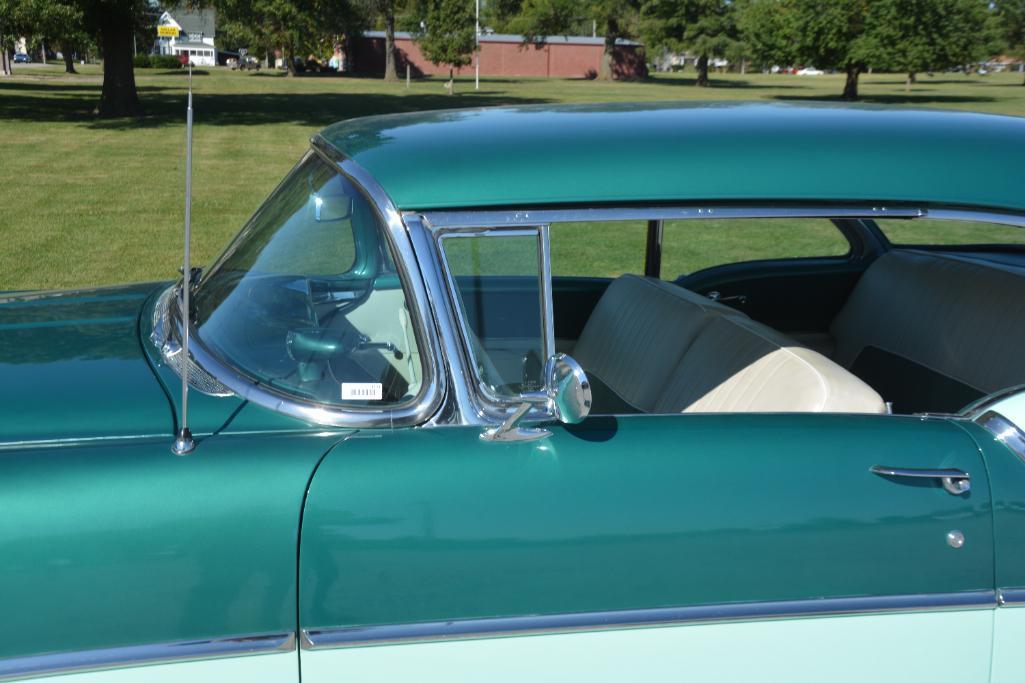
(53,664)
(315,639)
(1011,597)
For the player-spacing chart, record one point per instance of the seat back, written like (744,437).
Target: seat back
(637,334)
(661,348)
(933,332)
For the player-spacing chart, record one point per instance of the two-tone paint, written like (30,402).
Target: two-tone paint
(714,547)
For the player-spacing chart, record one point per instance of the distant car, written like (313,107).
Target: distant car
(22,58)
(810,71)
(772,462)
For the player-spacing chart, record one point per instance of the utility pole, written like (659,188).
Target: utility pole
(476,70)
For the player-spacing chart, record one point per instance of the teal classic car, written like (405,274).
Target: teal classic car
(604,392)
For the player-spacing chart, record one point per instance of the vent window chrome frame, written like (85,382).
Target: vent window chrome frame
(434,384)
(490,405)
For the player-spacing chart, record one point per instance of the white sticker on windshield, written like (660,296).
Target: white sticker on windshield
(362,391)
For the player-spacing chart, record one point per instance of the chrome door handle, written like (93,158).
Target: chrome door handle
(954,482)
(717,296)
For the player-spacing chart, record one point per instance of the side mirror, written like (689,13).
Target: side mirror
(568,394)
(569,391)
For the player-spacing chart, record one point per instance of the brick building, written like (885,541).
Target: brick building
(505,55)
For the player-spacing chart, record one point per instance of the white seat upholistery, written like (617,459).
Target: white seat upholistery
(659,348)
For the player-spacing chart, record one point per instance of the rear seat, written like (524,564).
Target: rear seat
(933,332)
(654,347)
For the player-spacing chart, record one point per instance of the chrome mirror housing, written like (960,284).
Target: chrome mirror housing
(569,391)
(567,397)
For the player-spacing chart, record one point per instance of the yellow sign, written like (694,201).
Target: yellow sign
(167,31)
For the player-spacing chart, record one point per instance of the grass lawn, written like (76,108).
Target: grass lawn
(92,202)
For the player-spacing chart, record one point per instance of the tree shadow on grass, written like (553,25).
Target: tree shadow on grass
(721,84)
(922,98)
(166,106)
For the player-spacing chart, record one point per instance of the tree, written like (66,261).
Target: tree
(386,10)
(764,28)
(827,33)
(447,34)
(704,27)
(824,33)
(56,22)
(47,22)
(911,36)
(290,24)
(615,19)
(1011,15)
(113,21)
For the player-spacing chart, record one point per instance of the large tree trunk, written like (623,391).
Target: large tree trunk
(5,63)
(390,74)
(288,54)
(850,88)
(702,66)
(119,97)
(5,59)
(608,55)
(69,60)
(42,52)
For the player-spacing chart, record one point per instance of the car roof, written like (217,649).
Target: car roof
(672,152)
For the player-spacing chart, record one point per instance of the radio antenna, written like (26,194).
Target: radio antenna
(183,441)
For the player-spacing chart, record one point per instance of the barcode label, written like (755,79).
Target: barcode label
(362,391)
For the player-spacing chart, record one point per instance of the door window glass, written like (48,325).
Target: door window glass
(497,281)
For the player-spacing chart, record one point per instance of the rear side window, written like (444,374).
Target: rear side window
(927,231)
(692,245)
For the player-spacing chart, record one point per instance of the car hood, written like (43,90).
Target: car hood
(72,367)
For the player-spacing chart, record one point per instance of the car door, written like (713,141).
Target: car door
(688,547)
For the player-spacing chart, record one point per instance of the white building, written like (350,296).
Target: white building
(196,35)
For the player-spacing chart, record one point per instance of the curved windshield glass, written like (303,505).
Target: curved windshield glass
(307,299)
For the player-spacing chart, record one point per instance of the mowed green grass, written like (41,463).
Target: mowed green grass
(86,202)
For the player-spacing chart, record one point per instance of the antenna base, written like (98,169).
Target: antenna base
(183,442)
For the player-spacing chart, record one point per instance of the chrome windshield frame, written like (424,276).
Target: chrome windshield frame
(434,385)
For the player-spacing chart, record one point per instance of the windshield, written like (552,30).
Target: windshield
(307,299)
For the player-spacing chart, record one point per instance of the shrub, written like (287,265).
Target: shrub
(142,62)
(165,62)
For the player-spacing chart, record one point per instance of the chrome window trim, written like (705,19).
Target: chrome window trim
(415,412)
(461,406)
(1003,430)
(439,220)
(456,629)
(974,216)
(57,663)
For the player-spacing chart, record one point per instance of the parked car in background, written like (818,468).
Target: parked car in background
(585,393)
(244,63)
(22,58)
(810,71)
